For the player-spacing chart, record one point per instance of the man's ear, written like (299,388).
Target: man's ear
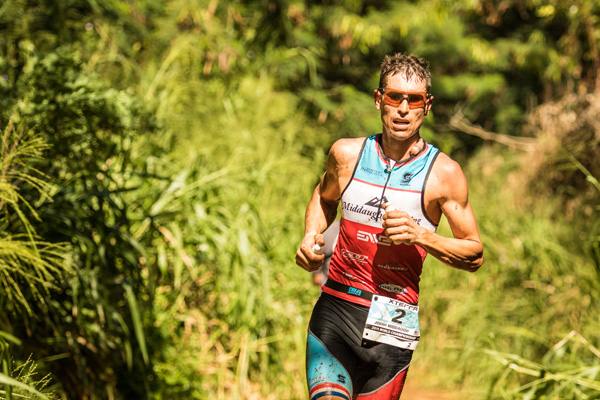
(377,97)
(428,105)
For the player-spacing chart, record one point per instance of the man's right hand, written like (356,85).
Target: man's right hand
(306,257)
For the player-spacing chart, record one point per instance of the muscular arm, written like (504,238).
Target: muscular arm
(322,207)
(449,196)
(321,211)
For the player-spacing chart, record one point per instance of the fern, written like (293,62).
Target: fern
(29,267)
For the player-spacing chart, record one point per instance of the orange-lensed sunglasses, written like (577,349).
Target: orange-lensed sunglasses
(395,97)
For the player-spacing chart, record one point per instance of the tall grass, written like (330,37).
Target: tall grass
(500,328)
(24,382)
(243,165)
(236,169)
(236,166)
(29,267)
(231,305)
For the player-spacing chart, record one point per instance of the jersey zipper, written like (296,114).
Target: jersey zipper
(388,170)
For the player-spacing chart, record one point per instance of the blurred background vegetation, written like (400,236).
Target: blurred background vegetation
(157,157)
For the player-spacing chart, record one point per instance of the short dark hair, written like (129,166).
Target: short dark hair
(406,64)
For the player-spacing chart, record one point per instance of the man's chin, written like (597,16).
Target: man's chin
(401,133)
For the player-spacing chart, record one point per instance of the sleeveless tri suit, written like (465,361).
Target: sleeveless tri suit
(366,263)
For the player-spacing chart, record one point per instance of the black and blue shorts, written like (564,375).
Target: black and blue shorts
(341,363)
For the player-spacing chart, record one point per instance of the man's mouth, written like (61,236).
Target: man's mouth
(400,123)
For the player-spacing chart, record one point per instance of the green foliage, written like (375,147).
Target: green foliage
(30,268)
(180,141)
(564,373)
(100,313)
(26,383)
(228,297)
(535,287)
(94,315)
(27,264)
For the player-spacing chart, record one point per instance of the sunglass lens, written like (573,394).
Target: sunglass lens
(415,100)
(394,99)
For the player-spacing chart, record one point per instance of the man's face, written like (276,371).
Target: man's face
(401,122)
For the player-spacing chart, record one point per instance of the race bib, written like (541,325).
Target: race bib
(393,322)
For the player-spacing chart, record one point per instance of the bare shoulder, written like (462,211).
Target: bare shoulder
(346,149)
(344,154)
(446,169)
(447,181)
(342,159)
(446,188)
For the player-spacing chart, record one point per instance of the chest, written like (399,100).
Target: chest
(376,180)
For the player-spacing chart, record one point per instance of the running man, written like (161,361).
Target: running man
(394,188)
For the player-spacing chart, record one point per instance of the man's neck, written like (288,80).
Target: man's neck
(400,150)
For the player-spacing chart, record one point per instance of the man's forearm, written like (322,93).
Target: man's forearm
(319,213)
(464,254)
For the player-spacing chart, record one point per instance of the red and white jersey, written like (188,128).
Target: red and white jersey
(364,256)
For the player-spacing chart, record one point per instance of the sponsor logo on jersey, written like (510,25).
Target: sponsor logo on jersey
(351,277)
(354,291)
(355,208)
(406,178)
(390,287)
(371,208)
(376,202)
(373,238)
(393,266)
(359,258)
(372,171)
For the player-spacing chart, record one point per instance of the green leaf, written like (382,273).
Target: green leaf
(7,380)
(10,338)
(137,323)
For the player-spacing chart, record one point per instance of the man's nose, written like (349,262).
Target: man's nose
(403,107)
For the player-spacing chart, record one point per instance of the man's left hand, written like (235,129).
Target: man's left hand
(400,227)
